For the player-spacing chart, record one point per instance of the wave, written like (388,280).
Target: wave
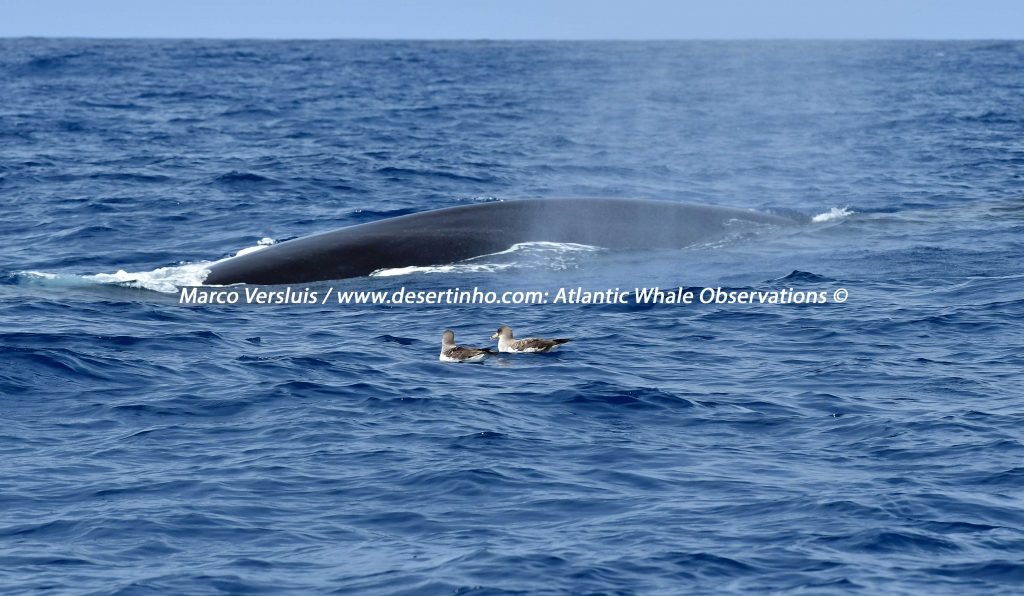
(548,255)
(802,277)
(243,179)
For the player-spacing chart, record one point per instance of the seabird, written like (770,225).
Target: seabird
(453,353)
(506,343)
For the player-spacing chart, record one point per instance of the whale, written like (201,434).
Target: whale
(452,234)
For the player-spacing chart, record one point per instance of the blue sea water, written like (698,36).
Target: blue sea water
(871,446)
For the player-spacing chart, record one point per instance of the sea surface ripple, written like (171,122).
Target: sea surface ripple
(873,446)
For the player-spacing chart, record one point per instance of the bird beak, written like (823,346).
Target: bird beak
(494,335)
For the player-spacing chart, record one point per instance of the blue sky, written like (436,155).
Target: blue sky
(516,19)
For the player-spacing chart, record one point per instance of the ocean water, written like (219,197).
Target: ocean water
(871,446)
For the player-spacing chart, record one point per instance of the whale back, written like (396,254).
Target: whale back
(456,233)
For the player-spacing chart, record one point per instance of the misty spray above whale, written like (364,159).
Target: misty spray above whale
(454,234)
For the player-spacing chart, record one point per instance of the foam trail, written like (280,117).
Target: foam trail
(161,279)
(456,268)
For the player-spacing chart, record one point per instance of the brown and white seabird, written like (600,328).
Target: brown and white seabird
(507,343)
(453,353)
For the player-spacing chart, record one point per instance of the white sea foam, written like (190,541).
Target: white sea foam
(550,255)
(39,275)
(735,230)
(548,248)
(454,268)
(161,279)
(833,214)
(263,243)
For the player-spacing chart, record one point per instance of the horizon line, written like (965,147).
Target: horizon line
(506,39)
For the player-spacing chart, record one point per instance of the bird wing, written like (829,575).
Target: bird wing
(461,353)
(537,344)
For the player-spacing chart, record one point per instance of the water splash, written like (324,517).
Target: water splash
(833,214)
